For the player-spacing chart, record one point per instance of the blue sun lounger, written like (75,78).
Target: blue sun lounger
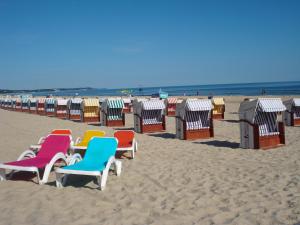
(99,157)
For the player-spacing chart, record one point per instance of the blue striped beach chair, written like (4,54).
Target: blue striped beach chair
(149,115)
(194,119)
(261,124)
(292,113)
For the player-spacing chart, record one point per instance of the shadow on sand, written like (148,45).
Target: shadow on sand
(94,124)
(123,128)
(163,135)
(23,176)
(232,121)
(78,181)
(224,144)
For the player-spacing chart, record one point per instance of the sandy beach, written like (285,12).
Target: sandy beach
(170,181)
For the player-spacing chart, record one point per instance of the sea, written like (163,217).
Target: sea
(249,89)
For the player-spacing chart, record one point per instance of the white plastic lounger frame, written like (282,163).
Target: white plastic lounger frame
(101,176)
(61,179)
(69,160)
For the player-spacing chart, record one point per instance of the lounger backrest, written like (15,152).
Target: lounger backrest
(125,138)
(99,150)
(89,134)
(62,132)
(54,144)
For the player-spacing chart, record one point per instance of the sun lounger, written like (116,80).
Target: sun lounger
(98,159)
(126,141)
(53,149)
(88,135)
(55,132)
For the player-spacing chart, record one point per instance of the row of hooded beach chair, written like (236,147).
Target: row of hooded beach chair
(194,118)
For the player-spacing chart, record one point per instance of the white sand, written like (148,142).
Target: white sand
(169,182)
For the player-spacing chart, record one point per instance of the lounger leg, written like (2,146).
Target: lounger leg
(10,175)
(38,177)
(2,175)
(135,146)
(59,177)
(103,179)
(118,167)
(46,174)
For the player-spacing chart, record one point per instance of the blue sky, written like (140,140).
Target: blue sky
(112,44)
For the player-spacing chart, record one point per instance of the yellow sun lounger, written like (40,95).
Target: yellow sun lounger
(88,135)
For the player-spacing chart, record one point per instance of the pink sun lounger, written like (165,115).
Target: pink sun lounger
(53,149)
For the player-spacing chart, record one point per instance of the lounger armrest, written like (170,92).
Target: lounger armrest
(57,156)
(28,154)
(41,140)
(78,140)
(117,165)
(73,159)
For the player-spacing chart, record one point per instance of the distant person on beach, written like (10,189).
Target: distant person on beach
(263,91)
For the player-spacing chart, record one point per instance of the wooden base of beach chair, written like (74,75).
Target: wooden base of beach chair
(170,113)
(25,110)
(62,115)
(115,123)
(267,142)
(296,122)
(219,116)
(151,128)
(75,117)
(18,110)
(270,141)
(52,114)
(91,119)
(32,111)
(197,134)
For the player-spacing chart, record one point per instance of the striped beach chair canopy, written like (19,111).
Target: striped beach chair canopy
(198,105)
(193,105)
(140,105)
(153,105)
(75,106)
(90,102)
(75,101)
(62,102)
(292,104)
(41,100)
(249,108)
(32,103)
(24,100)
(50,101)
(172,100)
(33,100)
(112,103)
(218,101)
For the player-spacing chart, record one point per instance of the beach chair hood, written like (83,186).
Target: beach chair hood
(146,105)
(292,103)
(248,109)
(116,103)
(193,105)
(218,101)
(62,102)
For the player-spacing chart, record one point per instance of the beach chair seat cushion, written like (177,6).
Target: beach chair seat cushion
(38,162)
